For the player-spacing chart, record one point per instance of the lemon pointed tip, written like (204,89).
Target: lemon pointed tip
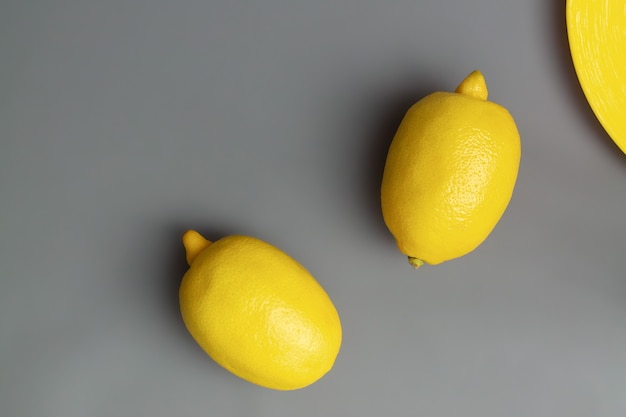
(474,85)
(415,263)
(194,243)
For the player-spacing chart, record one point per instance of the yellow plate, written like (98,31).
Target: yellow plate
(596,30)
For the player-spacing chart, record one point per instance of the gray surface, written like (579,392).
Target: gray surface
(124,123)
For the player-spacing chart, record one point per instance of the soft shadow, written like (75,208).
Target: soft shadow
(171,268)
(161,265)
(174,264)
(570,81)
(147,277)
(384,114)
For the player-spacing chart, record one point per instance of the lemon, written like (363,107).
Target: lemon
(257,312)
(450,173)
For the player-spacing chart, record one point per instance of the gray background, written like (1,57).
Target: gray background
(123,123)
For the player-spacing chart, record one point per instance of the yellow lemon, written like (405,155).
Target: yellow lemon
(450,173)
(597,37)
(257,312)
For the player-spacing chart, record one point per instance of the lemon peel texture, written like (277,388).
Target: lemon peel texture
(450,173)
(257,312)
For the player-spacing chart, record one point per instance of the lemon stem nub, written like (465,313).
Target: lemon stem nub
(474,85)
(415,263)
(194,243)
